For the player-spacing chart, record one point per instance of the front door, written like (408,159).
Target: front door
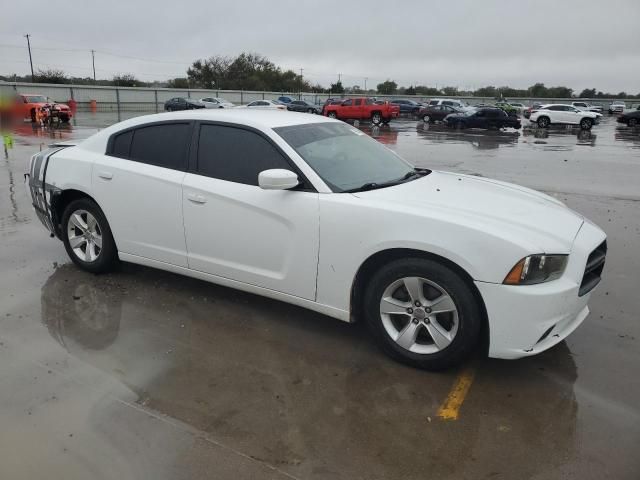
(235,229)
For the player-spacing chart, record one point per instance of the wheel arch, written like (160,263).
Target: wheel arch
(378,259)
(60,201)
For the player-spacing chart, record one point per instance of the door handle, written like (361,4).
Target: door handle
(105,175)
(195,198)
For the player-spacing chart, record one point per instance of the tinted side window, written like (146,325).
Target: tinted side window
(162,145)
(359,101)
(347,102)
(121,144)
(235,154)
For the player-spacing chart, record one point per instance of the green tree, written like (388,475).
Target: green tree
(179,82)
(126,80)
(336,87)
(50,76)
(450,91)
(388,87)
(411,90)
(538,90)
(588,93)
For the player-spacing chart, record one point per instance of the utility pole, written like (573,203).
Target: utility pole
(30,59)
(93,62)
(301,83)
(365,83)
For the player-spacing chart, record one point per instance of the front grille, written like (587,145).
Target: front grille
(593,270)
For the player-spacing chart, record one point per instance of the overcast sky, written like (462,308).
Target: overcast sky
(469,44)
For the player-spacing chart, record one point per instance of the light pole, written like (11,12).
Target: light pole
(365,83)
(30,59)
(93,63)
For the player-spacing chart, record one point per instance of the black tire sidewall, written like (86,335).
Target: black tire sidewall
(469,312)
(108,257)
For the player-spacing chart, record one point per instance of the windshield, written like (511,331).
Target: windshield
(344,157)
(36,99)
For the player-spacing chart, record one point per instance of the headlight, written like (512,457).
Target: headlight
(536,269)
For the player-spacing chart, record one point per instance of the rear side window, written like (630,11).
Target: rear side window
(121,144)
(162,145)
(236,155)
(347,102)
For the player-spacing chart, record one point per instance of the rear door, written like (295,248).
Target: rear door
(348,110)
(138,185)
(236,230)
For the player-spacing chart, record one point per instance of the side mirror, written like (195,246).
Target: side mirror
(277,179)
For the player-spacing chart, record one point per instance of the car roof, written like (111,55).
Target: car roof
(256,118)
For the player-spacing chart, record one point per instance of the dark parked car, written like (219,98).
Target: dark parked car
(285,100)
(533,108)
(632,119)
(304,106)
(182,103)
(407,106)
(433,113)
(483,118)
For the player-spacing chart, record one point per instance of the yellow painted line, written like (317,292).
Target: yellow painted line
(450,408)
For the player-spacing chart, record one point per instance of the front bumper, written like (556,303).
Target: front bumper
(528,319)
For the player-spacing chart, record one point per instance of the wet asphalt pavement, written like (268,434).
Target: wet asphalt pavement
(143,374)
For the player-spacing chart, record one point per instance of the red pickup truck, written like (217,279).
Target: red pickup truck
(363,108)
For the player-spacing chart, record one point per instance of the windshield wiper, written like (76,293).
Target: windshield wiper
(415,173)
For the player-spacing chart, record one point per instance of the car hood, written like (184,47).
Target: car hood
(523,215)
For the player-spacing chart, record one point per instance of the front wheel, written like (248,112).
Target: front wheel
(422,313)
(310,110)
(87,237)
(586,124)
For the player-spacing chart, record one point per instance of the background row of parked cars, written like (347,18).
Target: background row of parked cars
(453,113)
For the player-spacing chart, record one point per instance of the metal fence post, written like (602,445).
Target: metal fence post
(263,95)
(188,93)
(71,93)
(118,102)
(241,97)
(155,95)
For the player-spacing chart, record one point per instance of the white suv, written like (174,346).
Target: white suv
(559,114)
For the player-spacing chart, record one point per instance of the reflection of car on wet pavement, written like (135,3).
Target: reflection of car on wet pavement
(482,140)
(560,114)
(631,118)
(30,105)
(484,117)
(425,295)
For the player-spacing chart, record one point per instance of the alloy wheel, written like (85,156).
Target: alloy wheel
(419,315)
(85,235)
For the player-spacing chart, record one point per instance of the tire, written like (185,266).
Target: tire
(586,124)
(376,118)
(64,118)
(310,110)
(168,109)
(77,221)
(633,122)
(33,115)
(459,328)
(543,122)
(332,115)
(426,119)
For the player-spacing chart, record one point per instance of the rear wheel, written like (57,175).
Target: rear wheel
(422,313)
(87,236)
(376,118)
(543,122)
(332,115)
(310,110)
(633,122)
(586,124)
(426,119)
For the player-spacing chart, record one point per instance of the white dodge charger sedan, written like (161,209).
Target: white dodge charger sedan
(312,211)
